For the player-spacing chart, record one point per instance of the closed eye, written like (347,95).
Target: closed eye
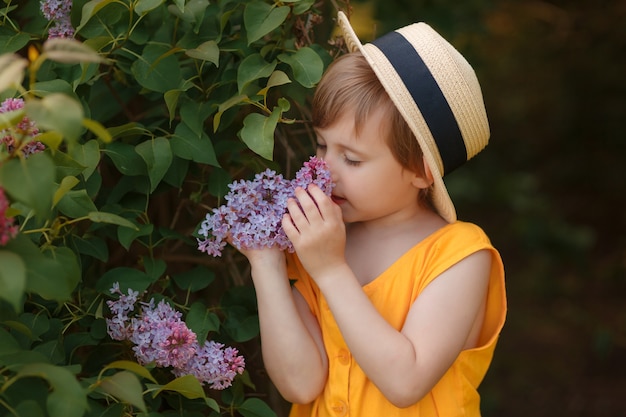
(351,161)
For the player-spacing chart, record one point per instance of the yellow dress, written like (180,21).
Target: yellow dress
(348,391)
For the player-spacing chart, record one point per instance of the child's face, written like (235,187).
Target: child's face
(371,185)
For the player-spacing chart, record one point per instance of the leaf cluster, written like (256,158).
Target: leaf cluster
(146,117)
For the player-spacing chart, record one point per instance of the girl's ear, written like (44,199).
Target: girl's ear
(426,180)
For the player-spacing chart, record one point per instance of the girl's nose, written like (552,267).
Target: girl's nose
(333,173)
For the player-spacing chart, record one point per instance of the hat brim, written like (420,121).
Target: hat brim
(440,198)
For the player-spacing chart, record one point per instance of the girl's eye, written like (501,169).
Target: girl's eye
(320,147)
(350,161)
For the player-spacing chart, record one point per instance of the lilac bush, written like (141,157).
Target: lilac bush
(143,109)
(253,212)
(160,337)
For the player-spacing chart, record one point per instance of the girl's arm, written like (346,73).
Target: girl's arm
(405,365)
(291,341)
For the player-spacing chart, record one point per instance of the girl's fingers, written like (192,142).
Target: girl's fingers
(289,227)
(298,217)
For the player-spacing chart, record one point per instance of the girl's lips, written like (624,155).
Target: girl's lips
(337,200)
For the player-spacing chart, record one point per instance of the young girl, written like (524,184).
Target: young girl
(396,305)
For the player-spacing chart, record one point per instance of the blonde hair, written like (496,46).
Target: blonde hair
(350,83)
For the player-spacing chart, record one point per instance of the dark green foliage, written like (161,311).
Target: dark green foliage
(147,117)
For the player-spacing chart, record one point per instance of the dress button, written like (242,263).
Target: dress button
(344,357)
(340,408)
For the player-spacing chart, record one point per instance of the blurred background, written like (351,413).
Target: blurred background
(549,189)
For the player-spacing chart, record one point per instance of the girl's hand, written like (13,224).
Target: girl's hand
(263,258)
(314,224)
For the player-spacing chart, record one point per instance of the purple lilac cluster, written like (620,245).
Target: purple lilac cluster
(20,137)
(252,215)
(58,13)
(162,338)
(8,230)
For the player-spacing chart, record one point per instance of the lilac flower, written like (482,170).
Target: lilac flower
(254,210)
(118,326)
(162,338)
(21,135)
(61,29)
(8,230)
(214,365)
(58,12)
(56,9)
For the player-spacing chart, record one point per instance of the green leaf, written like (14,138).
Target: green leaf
(14,42)
(97,129)
(194,114)
(57,112)
(202,321)
(231,102)
(45,88)
(254,407)
(157,69)
(131,366)
(8,344)
(218,183)
(261,18)
(195,279)
(191,11)
(76,204)
(30,181)
(125,158)
(155,268)
(258,133)
(12,278)
(187,386)
(157,155)
(88,155)
(176,175)
(127,278)
(56,276)
(69,51)
(128,130)
(206,51)
(301,6)
(93,246)
(11,118)
(67,183)
(171,101)
(51,139)
(126,236)
(66,165)
(306,64)
(252,68)
(90,9)
(188,145)
(126,387)
(53,274)
(277,78)
(68,398)
(144,6)
(240,324)
(12,68)
(110,218)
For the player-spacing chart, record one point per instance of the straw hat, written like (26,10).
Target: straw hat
(436,91)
